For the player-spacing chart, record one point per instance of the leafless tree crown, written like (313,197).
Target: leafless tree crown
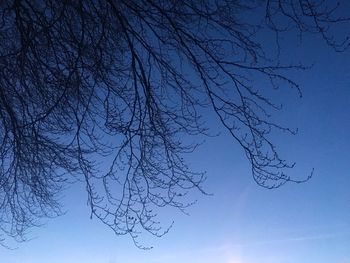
(125,82)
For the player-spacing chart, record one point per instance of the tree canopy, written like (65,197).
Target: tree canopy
(125,82)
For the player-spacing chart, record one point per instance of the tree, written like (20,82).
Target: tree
(126,81)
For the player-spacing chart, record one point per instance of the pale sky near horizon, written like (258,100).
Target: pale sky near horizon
(241,222)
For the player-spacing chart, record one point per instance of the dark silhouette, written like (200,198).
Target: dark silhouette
(91,84)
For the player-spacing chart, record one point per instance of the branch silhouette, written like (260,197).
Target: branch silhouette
(125,82)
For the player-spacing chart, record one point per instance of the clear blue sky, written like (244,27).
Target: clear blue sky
(241,222)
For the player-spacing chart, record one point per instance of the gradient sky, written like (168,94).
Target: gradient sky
(241,222)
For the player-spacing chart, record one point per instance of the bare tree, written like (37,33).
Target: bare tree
(124,82)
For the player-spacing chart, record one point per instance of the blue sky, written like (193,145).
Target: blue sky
(241,222)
